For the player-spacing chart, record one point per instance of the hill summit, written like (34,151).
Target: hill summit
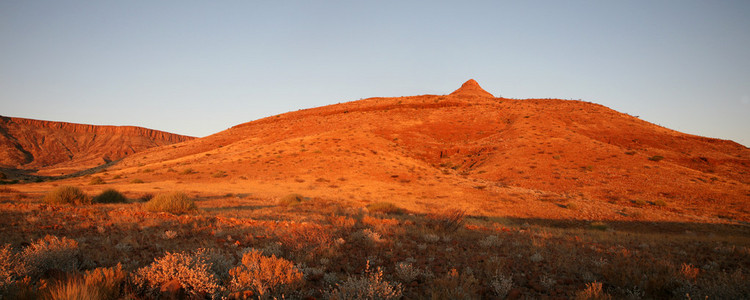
(471,88)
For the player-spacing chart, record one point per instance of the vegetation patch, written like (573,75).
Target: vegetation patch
(110,196)
(67,195)
(291,200)
(136,181)
(384,207)
(96,180)
(175,203)
(656,158)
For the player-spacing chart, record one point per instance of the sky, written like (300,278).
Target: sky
(200,67)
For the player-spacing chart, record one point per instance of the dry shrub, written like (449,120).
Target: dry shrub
(50,253)
(175,202)
(192,271)
(455,286)
(448,221)
(384,207)
(96,180)
(369,285)
(67,195)
(110,196)
(291,200)
(265,276)
(689,272)
(8,266)
(101,283)
(593,291)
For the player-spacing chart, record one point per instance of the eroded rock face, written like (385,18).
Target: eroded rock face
(37,144)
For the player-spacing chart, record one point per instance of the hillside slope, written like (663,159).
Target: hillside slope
(56,148)
(537,157)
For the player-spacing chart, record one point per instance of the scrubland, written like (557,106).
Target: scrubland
(240,246)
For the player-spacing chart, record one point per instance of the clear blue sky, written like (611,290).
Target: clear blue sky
(199,67)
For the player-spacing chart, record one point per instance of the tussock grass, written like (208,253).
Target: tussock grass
(175,203)
(110,196)
(291,200)
(384,207)
(67,195)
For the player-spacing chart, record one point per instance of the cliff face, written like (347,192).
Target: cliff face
(69,147)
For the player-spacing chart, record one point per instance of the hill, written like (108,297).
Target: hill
(56,148)
(545,158)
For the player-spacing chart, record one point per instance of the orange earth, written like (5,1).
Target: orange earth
(532,158)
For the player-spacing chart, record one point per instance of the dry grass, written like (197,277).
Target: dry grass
(174,202)
(67,195)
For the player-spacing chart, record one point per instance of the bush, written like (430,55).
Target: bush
(192,271)
(110,196)
(291,200)
(384,207)
(450,220)
(175,202)
(219,174)
(370,285)
(187,171)
(656,158)
(8,266)
(265,276)
(67,195)
(136,181)
(96,180)
(101,283)
(118,176)
(50,253)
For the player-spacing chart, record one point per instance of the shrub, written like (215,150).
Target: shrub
(110,196)
(118,176)
(187,171)
(175,202)
(369,285)
(136,180)
(265,276)
(598,226)
(291,200)
(660,203)
(455,285)
(450,220)
(192,271)
(50,253)
(67,195)
(8,266)
(101,283)
(96,180)
(384,207)
(593,291)
(656,158)
(219,174)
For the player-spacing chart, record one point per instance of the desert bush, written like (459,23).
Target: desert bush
(110,196)
(50,253)
(175,202)
(8,266)
(598,226)
(501,285)
(265,276)
(219,174)
(384,207)
(67,195)
(407,272)
(96,180)
(100,283)
(291,200)
(136,180)
(656,158)
(192,271)
(449,221)
(455,286)
(118,176)
(187,171)
(369,285)
(593,291)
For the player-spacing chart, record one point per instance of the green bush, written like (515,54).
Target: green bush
(384,207)
(110,196)
(175,202)
(96,180)
(291,200)
(67,195)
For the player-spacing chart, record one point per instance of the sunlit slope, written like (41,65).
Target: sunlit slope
(471,149)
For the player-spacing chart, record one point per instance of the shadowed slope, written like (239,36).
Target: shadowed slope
(60,148)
